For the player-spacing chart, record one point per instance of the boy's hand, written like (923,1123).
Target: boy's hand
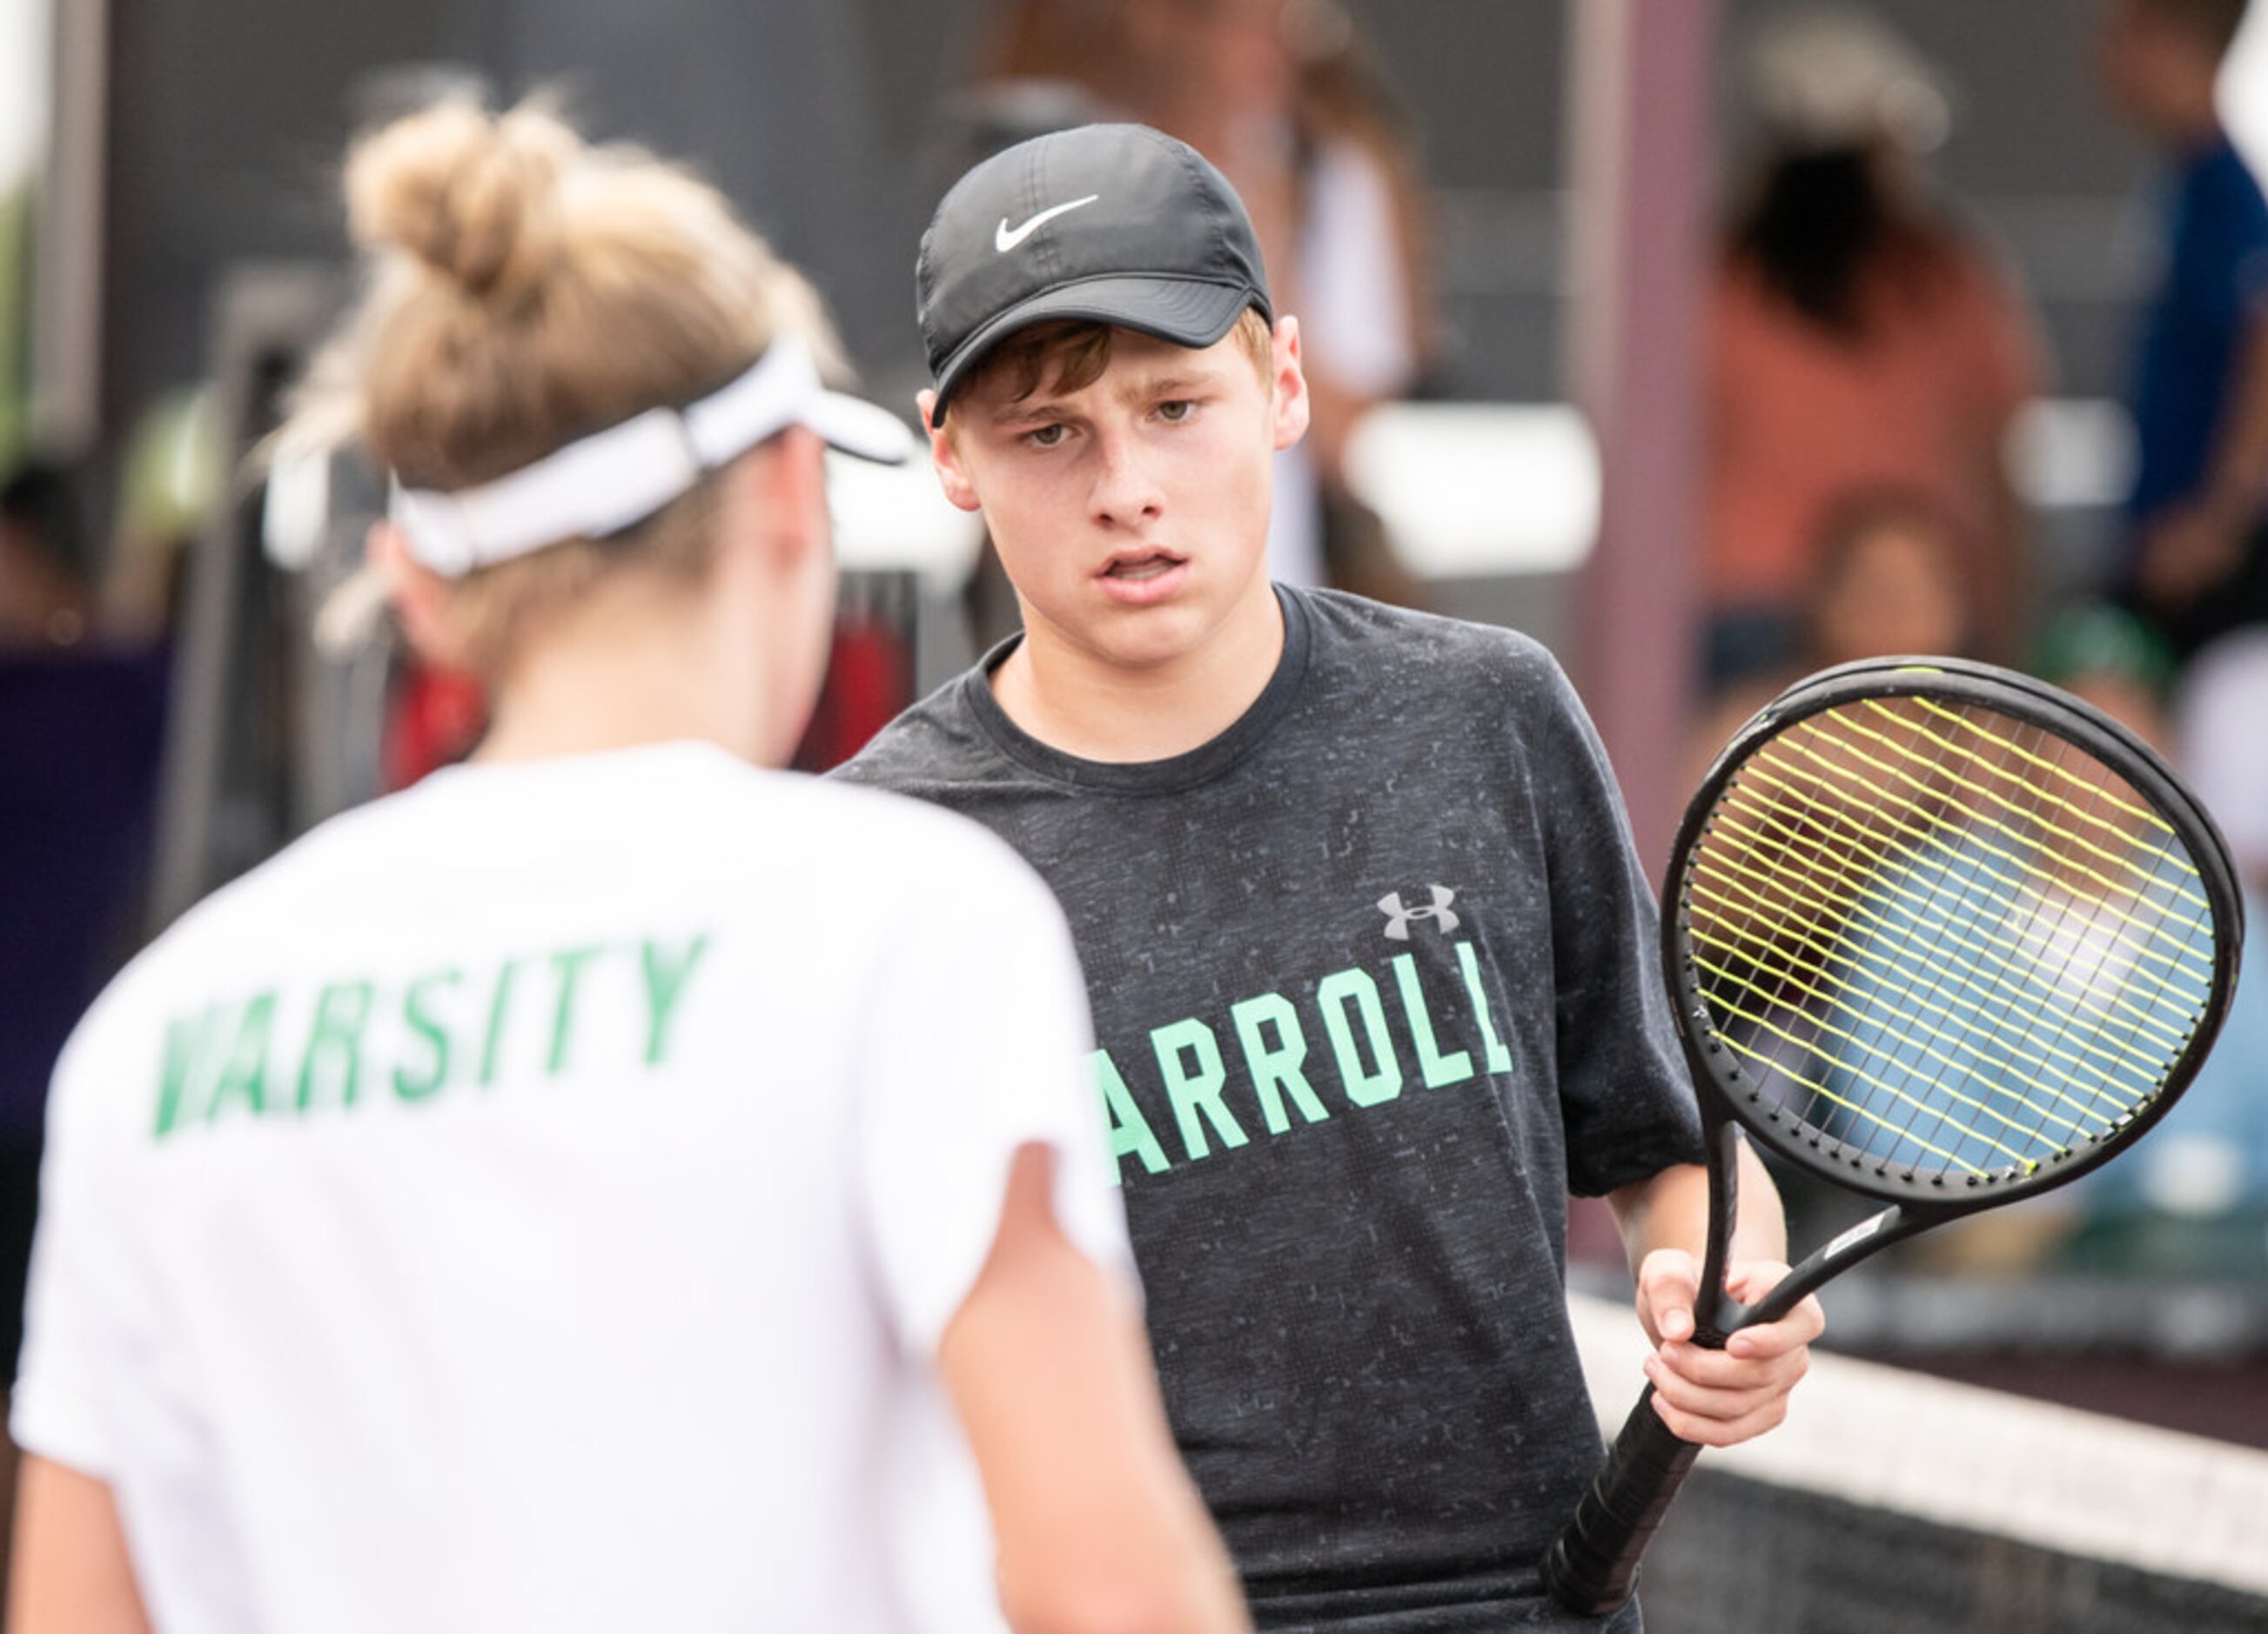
(1717,1398)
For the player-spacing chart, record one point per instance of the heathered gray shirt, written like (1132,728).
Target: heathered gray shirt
(1373,976)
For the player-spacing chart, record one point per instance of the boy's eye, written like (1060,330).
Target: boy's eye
(1046,436)
(1174,411)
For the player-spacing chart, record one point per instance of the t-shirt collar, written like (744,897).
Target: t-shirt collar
(1208,760)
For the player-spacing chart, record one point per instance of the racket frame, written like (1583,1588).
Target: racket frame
(1593,1566)
(1932,1199)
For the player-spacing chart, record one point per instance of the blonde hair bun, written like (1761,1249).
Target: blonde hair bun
(474,197)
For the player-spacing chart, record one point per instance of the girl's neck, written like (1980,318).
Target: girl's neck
(611,676)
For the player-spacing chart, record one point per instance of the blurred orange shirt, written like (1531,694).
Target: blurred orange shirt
(1801,419)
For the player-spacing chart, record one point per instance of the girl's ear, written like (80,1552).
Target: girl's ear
(419,595)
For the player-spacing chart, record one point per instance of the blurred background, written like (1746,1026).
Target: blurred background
(1708,341)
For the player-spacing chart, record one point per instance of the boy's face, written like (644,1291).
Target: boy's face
(1131,515)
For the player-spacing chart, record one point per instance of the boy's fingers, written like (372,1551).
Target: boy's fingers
(1694,1368)
(1669,1281)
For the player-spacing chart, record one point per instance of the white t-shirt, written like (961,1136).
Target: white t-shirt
(532,1202)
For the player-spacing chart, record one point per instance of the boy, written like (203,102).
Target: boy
(1370,956)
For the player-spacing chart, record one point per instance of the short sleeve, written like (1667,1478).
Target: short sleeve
(978,1044)
(77,1310)
(1625,1095)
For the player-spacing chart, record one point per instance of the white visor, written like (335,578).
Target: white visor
(611,478)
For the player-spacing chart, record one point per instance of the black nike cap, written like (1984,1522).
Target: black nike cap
(1109,224)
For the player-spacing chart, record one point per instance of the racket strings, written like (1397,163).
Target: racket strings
(2054,768)
(1855,1069)
(1960,887)
(1914,909)
(2045,866)
(2073,1122)
(2010,902)
(2059,865)
(2036,816)
(1928,926)
(2040,790)
(1945,945)
(1958,1037)
(1955,1030)
(1978,874)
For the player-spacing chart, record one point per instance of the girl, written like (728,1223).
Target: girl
(607,1186)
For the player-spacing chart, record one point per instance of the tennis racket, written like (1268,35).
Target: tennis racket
(1942,935)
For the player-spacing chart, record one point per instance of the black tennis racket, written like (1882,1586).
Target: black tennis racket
(1942,935)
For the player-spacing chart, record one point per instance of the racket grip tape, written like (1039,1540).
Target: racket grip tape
(1593,1566)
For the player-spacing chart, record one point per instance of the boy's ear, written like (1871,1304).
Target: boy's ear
(945,457)
(1288,384)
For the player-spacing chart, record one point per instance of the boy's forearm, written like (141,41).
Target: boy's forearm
(1670,1210)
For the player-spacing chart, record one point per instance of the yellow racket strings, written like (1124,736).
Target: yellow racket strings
(1941,941)
(1948,1034)
(1917,927)
(1896,922)
(1997,1149)
(2052,857)
(2082,842)
(2008,868)
(1985,868)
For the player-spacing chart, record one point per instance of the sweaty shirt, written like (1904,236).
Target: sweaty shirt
(1374,983)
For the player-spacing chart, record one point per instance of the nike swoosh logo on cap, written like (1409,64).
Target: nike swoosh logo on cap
(1005,239)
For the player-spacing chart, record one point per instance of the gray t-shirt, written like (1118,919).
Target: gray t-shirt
(1374,980)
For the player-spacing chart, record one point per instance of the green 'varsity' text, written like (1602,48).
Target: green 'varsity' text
(292,1053)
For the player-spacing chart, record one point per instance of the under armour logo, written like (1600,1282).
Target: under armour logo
(1398,917)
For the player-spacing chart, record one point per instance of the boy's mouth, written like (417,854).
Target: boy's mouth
(1140,569)
(1138,579)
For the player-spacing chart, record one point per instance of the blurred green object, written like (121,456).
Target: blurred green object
(2096,638)
(175,470)
(2233,1247)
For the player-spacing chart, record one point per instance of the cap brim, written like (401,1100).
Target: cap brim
(1184,310)
(865,430)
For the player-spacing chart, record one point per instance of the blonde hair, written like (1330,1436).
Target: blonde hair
(525,289)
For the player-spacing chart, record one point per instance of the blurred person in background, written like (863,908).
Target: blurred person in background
(1860,338)
(520,1205)
(1891,572)
(81,720)
(2195,561)
(1286,100)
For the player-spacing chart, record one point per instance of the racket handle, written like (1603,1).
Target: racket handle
(1593,1566)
